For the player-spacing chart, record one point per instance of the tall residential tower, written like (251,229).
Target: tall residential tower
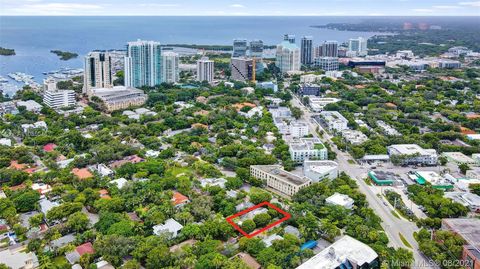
(287,57)
(306,48)
(98,71)
(205,70)
(239,48)
(170,70)
(143,64)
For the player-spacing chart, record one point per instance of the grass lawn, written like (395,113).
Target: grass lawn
(175,171)
(395,214)
(351,161)
(405,242)
(60,262)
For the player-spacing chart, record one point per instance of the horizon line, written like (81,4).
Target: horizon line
(237,15)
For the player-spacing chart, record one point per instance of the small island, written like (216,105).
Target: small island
(7,52)
(64,55)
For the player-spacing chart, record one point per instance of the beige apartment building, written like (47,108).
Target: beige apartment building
(278,179)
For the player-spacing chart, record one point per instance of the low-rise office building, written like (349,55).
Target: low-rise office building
(59,98)
(413,154)
(320,170)
(437,181)
(307,149)
(318,103)
(458,158)
(278,179)
(120,97)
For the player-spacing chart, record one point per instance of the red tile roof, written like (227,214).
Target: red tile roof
(179,198)
(82,173)
(49,147)
(85,248)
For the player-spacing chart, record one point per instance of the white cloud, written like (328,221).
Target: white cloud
(237,6)
(446,7)
(422,10)
(159,5)
(472,4)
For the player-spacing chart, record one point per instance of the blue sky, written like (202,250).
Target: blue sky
(243,7)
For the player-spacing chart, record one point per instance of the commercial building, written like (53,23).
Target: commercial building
(413,154)
(458,158)
(320,170)
(143,64)
(383,178)
(170,70)
(357,46)
(469,230)
(317,104)
(334,120)
(307,149)
(239,48)
(359,62)
(340,200)
(433,178)
(311,89)
(97,71)
(287,57)
(281,111)
(18,259)
(470,200)
(306,50)
(327,63)
(346,252)
(242,68)
(278,179)
(311,78)
(472,177)
(205,70)
(59,98)
(120,97)
(256,48)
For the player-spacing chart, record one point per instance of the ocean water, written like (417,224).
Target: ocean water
(34,37)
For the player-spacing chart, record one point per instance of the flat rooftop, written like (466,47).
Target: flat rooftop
(468,228)
(410,149)
(344,249)
(282,174)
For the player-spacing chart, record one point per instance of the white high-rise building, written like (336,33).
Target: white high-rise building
(59,98)
(143,64)
(287,57)
(98,71)
(205,69)
(357,46)
(170,71)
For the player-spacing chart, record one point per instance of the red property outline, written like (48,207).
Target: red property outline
(243,212)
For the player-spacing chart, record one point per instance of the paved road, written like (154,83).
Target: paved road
(392,225)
